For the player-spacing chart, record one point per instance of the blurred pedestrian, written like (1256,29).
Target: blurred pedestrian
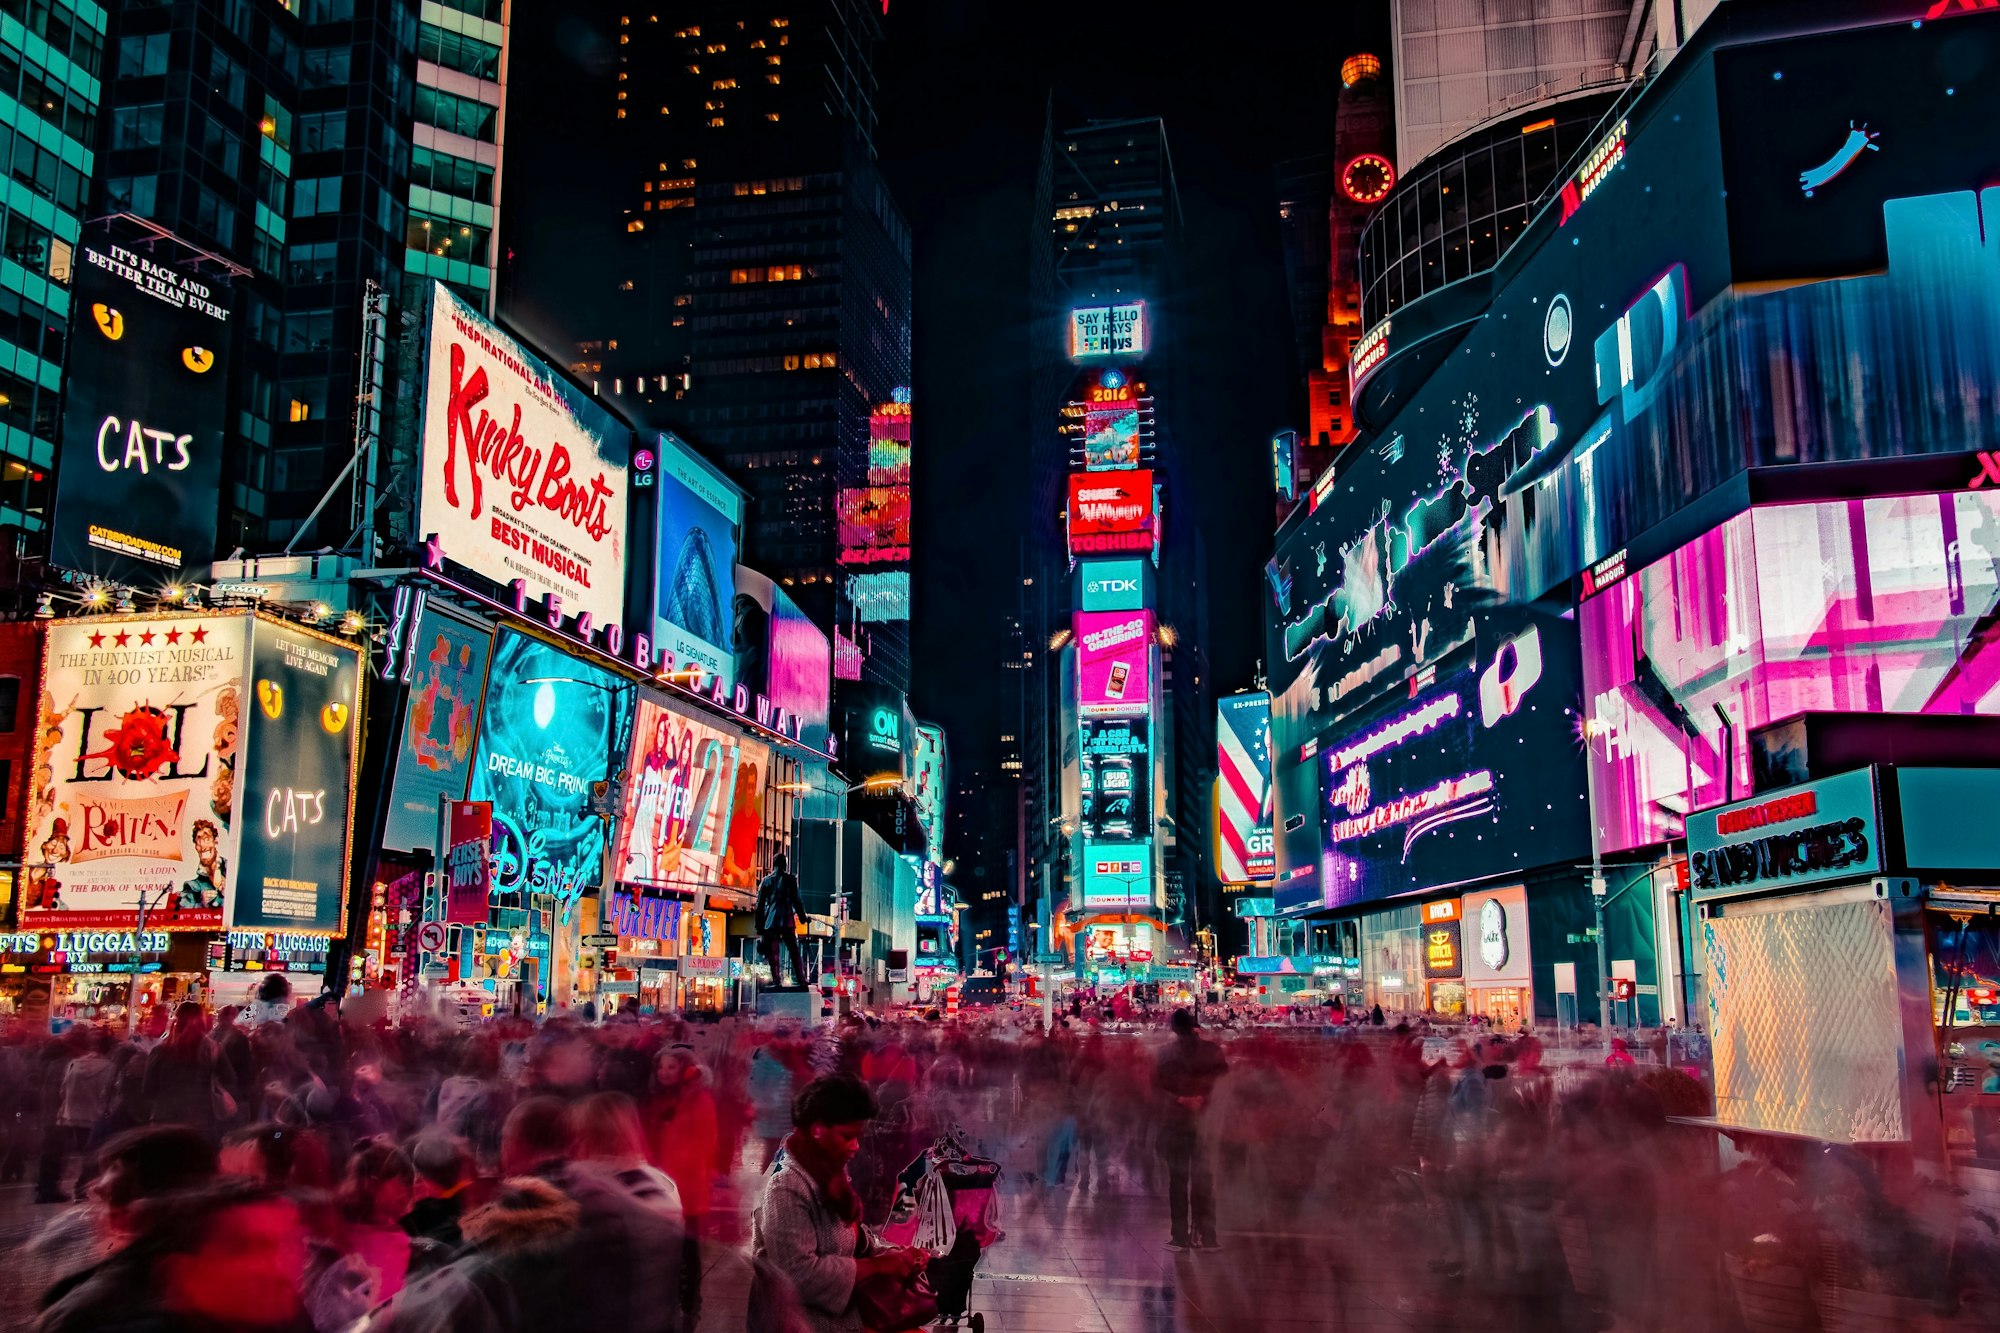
(1185,1076)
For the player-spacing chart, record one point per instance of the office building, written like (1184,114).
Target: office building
(50,84)
(744,280)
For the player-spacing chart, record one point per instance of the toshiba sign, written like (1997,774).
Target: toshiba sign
(1111,512)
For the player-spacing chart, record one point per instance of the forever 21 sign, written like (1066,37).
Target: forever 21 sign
(1824,831)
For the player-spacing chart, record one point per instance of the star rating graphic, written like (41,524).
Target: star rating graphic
(122,638)
(97,639)
(148,637)
(173,636)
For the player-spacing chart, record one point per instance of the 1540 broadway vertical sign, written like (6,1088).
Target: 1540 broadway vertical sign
(141,463)
(524,478)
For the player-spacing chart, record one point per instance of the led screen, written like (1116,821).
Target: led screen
(1116,330)
(1111,512)
(1114,585)
(874,520)
(1111,438)
(1115,778)
(879,598)
(929,784)
(694,803)
(1477,774)
(1114,659)
(445,667)
(1118,874)
(551,723)
(1872,606)
(699,515)
(1243,767)
(782,658)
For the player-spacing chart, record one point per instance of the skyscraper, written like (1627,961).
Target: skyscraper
(315,149)
(747,284)
(49,86)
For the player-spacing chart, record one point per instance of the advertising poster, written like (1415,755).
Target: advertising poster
(447,676)
(1111,512)
(781,656)
(140,472)
(1494,929)
(700,512)
(878,598)
(878,744)
(468,885)
(929,780)
(134,792)
(694,803)
(303,715)
(1115,585)
(1246,853)
(875,519)
(524,476)
(1115,330)
(1111,438)
(1114,659)
(1430,791)
(1118,874)
(550,726)
(1115,773)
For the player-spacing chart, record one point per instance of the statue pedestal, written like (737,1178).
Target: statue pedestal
(790,1006)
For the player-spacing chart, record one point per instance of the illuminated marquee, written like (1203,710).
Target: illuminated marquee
(1368,354)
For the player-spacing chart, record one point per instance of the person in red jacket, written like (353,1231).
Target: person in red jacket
(685,1130)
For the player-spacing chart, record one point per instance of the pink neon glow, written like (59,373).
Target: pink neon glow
(1885,605)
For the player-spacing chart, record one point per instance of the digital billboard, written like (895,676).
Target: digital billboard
(140,472)
(1114,661)
(929,784)
(1115,585)
(1109,330)
(1111,437)
(1118,874)
(445,666)
(135,793)
(782,658)
(1246,852)
(694,803)
(301,744)
(874,520)
(1872,605)
(700,512)
(523,475)
(878,598)
(1111,512)
(550,725)
(1433,790)
(880,735)
(1115,778)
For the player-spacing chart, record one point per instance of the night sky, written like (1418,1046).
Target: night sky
(963,87)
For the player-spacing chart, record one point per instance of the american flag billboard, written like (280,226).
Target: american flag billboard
(1244,853)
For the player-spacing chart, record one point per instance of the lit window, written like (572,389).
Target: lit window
(715,122)
(687,164)
(626,285)
(774,60)
(781,23)
(791,363)
(773,78)
(722,85)
(301,411)
(636,224)
(621,94)
(771,115)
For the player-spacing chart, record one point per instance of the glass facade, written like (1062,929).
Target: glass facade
(1465,205)
(51,63)
(459,114)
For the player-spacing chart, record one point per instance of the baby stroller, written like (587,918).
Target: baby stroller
(945,1204)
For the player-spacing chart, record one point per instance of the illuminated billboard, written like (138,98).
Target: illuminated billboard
(1111,438)
(782,659)
(445,667)
(1111,512)
(1430,790)
(929,783)
(550,725)
(878,598)
(874,520)
(1115,778)
(1246,852)
(694,803)
(1865,605)
(1115,585)
(1118,874)
(523,475)
(1108,330)
(694,591)
(142,433)
(1114,661)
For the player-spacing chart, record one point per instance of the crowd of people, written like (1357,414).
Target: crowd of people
(305,1174)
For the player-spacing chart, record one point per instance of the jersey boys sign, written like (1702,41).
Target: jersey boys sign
(523,476)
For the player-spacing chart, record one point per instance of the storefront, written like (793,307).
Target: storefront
(92,976)
(1444,962)
(1498,967)
(241,961)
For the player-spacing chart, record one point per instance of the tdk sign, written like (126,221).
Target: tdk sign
(1114,585)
